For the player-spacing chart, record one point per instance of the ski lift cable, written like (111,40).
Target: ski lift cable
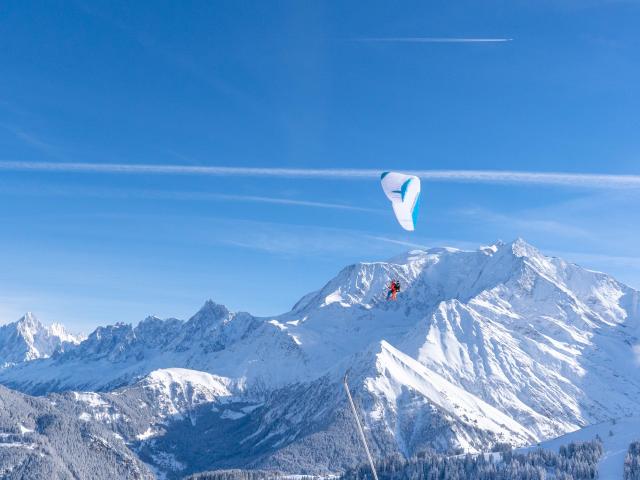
(360,429)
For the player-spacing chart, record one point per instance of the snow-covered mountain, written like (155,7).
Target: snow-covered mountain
(502,344)
(43,439)
(27,339)
(174,415)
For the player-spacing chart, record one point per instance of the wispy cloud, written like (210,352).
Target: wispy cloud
(427,243)
(433,39)
(32,140)
(67,191)
(281,201)
(584,180)
(158,48)
(611,264)
(317,241)
(525,222)
(397,242)
(581,257)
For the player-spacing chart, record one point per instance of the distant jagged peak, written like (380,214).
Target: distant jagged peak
(210,311)
(30,325)
(28,339)
(522,248)
(29,319)
(59,330)
(153,322)
(114,329)
(105,338)
(210,328)
(155,332)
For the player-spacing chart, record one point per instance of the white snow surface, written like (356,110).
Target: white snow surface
(167,394)
(147,434)
(398,372)
(503,339)
(90,398)
(28,339)
(616,435)
(24,429)
(178,390)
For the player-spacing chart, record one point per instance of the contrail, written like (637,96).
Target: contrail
(432,40)
(586,180)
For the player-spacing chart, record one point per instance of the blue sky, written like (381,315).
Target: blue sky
(300,85)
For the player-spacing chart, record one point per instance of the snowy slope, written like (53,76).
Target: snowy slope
(170,392)
(174,391)
(616,435)
(501,343)
(408,408)
(550,346)
(27,339)
(142,410)
(398,375)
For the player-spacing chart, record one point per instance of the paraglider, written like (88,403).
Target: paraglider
(394,288)
(404,193)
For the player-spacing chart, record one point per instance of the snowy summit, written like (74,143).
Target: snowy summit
(498,345)
(27,339)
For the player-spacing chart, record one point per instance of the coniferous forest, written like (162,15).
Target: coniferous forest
(632,462)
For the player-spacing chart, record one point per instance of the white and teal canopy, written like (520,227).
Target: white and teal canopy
(404,193)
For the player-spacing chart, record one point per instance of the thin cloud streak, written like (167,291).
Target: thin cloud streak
(525,222)
(397,242)
(285,201)
(174,195)
(598,258)
(584,180)
(32,140)
(432,40)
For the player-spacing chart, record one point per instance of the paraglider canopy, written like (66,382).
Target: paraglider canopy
(404,193)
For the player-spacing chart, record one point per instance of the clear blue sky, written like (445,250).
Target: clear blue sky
(299,85)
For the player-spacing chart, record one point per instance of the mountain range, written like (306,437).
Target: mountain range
(498,345)
(27,339)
